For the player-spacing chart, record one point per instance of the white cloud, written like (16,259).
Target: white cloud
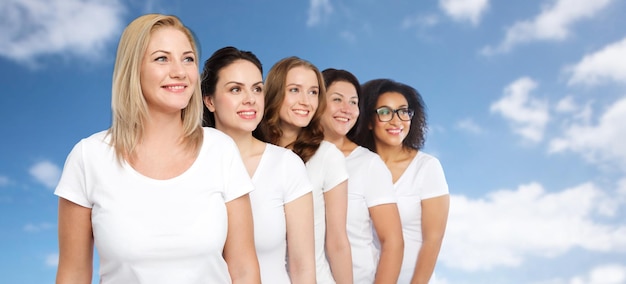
(32,28)
(4,181)
(469,125)
(52,260)
(566,105)
(35,228)
(554,23)
(607,64)
(465,10)
(508,226)
(599,143)
(46,173)
(528,116)
(606,274)
(317,11)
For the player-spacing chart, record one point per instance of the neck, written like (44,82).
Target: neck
(392,152)
(289,136)
(342,142)
(244,140)
(163,128)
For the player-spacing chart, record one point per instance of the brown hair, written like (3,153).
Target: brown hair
(311,136)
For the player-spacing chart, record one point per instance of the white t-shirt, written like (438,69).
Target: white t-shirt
(326,169)
(423,179)
(370,184)
(279,179)
(157,231)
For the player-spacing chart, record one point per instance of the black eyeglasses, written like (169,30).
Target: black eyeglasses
(386,113)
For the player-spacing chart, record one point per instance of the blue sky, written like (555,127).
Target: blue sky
(526,104)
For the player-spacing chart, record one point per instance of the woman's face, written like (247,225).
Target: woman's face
(342,109)
(168,73)
(301,98)
(238,101)
(392,132)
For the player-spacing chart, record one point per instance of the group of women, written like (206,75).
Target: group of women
(304,177)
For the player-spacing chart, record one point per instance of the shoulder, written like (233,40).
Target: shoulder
(213,136)
(95,141)
(423,158)
(327,148)
(282,154)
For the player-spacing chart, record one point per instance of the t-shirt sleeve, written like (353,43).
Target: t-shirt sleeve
(335,168)
(296,181)
(238,181)
(434,179)
(72,185)
(379,184)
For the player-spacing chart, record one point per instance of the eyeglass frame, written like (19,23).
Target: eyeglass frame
(410,112)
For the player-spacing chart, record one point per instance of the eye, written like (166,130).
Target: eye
(293,90)
(235,90)
(189,59)
(404,111)
(313,92)
(383,111)
(353,102)
(336,99)
(161,59)
(258,89)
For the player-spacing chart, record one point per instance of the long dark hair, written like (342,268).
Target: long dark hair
(210,74)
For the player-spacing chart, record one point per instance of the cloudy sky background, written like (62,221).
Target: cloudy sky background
(526,105)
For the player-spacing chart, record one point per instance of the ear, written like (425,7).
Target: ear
(208,102)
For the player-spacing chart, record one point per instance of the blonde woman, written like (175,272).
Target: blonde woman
(162,199)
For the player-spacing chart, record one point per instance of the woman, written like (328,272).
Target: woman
(371,200)
(294,103)
(282,205)
(164,200)
(394,126)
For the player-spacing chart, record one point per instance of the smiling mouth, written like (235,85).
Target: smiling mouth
(175,88)
(301,112)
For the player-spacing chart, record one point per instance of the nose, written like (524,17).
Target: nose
(177,70)
(345,107)
(395,118)
(304,99)
(249,98)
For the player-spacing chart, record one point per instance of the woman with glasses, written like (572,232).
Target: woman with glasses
(393,124)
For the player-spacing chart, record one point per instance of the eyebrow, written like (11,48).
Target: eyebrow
(239,83)
(168,52)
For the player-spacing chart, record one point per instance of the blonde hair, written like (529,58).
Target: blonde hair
(128,104)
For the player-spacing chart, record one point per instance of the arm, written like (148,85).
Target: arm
(434,219)
(239,250)
(388,227)
(300,240)
(337,244)
(75,244)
